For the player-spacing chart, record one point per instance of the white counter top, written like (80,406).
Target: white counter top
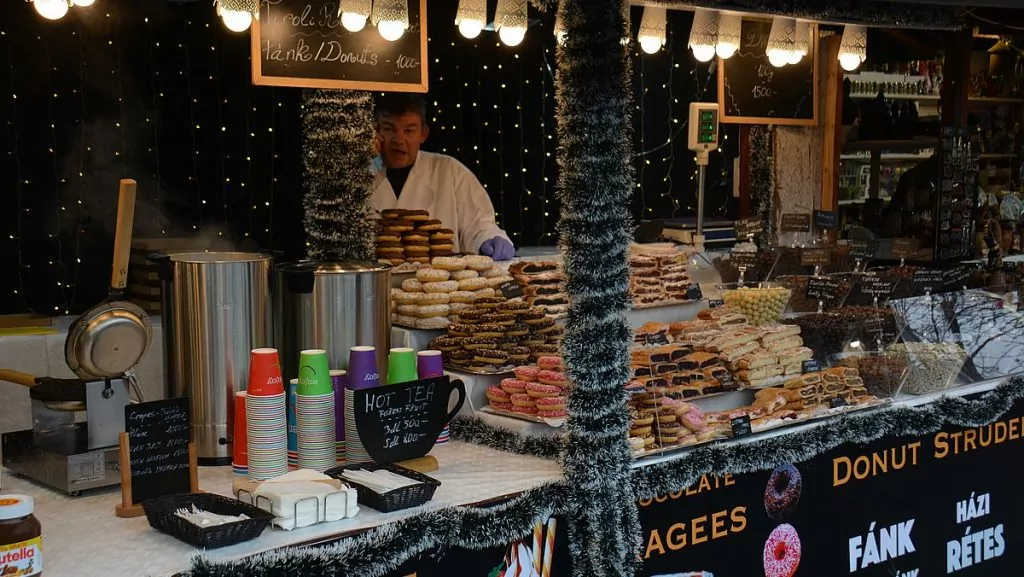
(82,536)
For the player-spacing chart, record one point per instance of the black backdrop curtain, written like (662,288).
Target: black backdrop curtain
(160,92)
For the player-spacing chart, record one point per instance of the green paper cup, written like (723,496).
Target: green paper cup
(402,366)
(314,374)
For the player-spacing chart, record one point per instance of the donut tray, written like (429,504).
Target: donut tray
(496,371)
(556,423)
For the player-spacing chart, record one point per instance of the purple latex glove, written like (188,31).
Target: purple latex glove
(498,248)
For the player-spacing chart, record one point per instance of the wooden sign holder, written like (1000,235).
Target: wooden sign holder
(128,509)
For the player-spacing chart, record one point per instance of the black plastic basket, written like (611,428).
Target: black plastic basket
(404,498)
(160,513)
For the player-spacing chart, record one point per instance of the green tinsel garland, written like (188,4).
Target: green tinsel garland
(766,454)
(595,183)
(473,430)
(337,152)
(762,182)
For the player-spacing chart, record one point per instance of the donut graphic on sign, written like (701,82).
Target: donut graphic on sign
(781,498)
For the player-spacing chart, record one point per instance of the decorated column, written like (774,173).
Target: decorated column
(595,182)
(337,153)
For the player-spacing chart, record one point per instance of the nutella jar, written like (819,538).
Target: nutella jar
(21,537)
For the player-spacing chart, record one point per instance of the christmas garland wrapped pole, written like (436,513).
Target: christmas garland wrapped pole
(337,128)
(595,183)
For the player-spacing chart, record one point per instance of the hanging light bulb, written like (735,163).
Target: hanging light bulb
(83,3)
(471,17)
(238,15)
(354,14)
(781,41)
(729,27)
(651,35)
(391,17)
(510,18)
(801,42)
(704,35)
(853,50)
(51,9)
(559,29)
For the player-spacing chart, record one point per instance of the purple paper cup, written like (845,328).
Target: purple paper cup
(429,364)
(362,368)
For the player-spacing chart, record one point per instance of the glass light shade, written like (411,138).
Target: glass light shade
(778,58)
(801,42)
(236,20)
(849,62)
(83,3)
(471,17)
(651,35)
(853,49)
(353,22)
(781,42)
(51,9)
(704,35)
(510,19)
(512,35)
(649,44)
(391,30)
(471,28)
(703,53)
(729,28)
(795,57)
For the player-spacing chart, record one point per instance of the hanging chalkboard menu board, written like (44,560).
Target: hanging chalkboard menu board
(302,43)
(752,91)
(158,448)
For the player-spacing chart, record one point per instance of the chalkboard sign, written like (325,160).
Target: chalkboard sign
(715,303)
(158,435)
(862,249)
(823,288)
(956,278)
(905,247)
(402,422)
(928,280)
(748,259)
(740,426)
(824,219)
(815,256)
(752,91)
(874,286)
(811,366)
(302,43)
(795,222)
(747,227)
(511,289)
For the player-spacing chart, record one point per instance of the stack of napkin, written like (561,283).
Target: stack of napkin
(304,497)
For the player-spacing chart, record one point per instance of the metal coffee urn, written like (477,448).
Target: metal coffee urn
(332,305)
(219,310)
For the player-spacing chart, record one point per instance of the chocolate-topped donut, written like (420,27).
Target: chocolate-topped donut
(782,494)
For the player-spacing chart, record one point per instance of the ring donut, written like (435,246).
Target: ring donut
(449,263)
(782,495)
(542,390)
(495,394)
(550,363)
(782,552)
(556,403)
(429,275)
(513,386)
(523,400)
(526,374)
(551,378)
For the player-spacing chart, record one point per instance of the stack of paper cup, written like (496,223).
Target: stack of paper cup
(293,427)
(355,453)
(362,374)
(338,381)
(314,412)
(265,417)
(239,444)
(428,366)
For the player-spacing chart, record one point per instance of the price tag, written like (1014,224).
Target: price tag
(876,287)
(795,222)
(693,292)
(862,249)
(745,227)
(825,220)
(811,366)
(715,303)
(905,247)
(815,256)
(837,402)
(657,339)
(741,426)
(511,289)
(956,278)
(747,259)
(928,280)
(822,288)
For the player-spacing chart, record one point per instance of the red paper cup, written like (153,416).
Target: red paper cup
(265,373)
(240,448)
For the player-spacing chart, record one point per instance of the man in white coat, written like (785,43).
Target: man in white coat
(409,178)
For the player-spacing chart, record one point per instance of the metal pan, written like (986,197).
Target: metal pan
(109,339)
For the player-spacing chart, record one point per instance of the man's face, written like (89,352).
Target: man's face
(401,138)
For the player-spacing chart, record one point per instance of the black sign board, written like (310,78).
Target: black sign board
(693,292)
(511,289)
(811,366)
(928,280)
(836,402)
(656,339)
(741,426)
(158,440)
(876,287)
(746,227)
(815,256)
(302,43)
(862,249)
(402,422)
(715,303)
(956,278)
(823,288)
(825,219)
(746,259)
(905,247)
(753,91)
(795,222)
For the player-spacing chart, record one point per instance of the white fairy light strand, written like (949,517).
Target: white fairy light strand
(56,266)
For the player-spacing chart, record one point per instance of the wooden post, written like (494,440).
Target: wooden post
(128,508)
(832,121)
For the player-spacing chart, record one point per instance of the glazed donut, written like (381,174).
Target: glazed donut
(782,494)
(782,552)
(449,263)
(464,274)
(412,285)
(409,310)
(472,284)
(443,234)
(493,272)
(409,321)
(433,323)
(542,390)
(486,292)
(433,299)
(440,287)
(556,403)
(430,225)
(463,297)
(407,298)
(430,311)
(495,394)
(479,262)
(523,400)
(550,363)
(427,275)
(513,386)
(527,374)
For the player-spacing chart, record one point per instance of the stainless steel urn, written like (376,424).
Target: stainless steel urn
(220,309)
(332,306)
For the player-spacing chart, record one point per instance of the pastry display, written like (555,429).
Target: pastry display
(543,285)
(537,391)
(411,238)
(433,299)
(931,367)
(882,372)
(762,304)
(659,279)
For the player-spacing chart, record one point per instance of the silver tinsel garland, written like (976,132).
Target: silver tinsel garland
(595,183)
(338,152)
(473,430)
(762,182)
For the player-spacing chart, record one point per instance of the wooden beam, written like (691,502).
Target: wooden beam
(956,79)
(831,120)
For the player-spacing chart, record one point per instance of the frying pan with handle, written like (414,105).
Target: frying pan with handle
(109,339)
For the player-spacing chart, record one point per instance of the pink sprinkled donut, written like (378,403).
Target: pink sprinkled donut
(551,403)
(496,394)
(552,414)
(782,552)
(502,406)
(523,400)
(527,374)
(542,390)
(693,421)
(552,378)
(513,386)
(525,410)
(550,363)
